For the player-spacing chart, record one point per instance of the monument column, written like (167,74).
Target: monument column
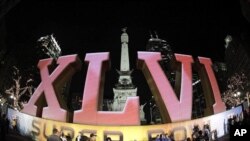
(124,88)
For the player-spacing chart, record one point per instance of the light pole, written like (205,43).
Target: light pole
(237,96)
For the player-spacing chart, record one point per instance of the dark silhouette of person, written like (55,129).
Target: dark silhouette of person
(148,110)
(195,133)
(68,137)
(7,124)
(55,136)
(108,139)
(207,133)
(200,136)
(81,137)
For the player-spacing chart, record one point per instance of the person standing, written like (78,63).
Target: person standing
(68,137)
(7,125)
(207,133)
(55,136)
(108,139)
(92,137)
(79,137)
(63,137)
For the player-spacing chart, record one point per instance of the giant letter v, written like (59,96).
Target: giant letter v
(171,108)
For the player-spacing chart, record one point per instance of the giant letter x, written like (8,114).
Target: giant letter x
(49,86)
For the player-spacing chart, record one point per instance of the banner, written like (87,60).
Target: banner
(39,129)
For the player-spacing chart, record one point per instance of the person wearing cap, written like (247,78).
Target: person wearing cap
(92,137)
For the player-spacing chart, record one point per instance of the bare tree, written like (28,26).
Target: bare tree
(237,88)
(16,91)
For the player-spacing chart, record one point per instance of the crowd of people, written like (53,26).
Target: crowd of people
(239,120)
(81,137)
(198,134)
(59,136)
(163,137)
(204,134)
(246,115)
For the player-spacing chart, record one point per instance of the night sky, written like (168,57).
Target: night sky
(194,27)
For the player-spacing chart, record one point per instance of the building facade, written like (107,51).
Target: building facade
(220,71)
(237,54)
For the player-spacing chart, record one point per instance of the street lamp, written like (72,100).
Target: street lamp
(12,97)
(238,94)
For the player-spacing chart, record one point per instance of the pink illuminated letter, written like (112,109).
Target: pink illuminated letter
(93,88)
(49,88)
(171,108)
(211,87)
